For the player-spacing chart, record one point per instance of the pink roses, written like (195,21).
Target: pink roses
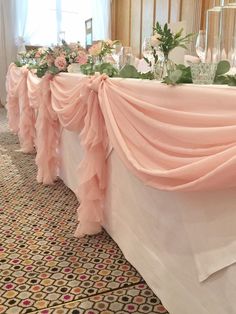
(60,63)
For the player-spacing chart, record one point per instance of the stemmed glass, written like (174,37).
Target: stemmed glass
(116,54)
(126,56)
(147,50)
(61,36)
(201,45)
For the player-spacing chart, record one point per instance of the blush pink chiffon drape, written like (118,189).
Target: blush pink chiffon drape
(172,138)
(21,117)
(47,128)
(78,110)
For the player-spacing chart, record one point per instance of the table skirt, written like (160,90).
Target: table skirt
(152,229)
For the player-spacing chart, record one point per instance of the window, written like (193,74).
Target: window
(49,21)
(88,33)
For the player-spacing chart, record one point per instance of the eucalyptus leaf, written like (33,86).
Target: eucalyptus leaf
(129,71)
(18,63)
(231,80)
(106,68)
(221,79)
(222,67)
(146,76)
(41,72)
(87,68)
(181,67)
(175,75)
(168,81)
(53,70)
(181,75)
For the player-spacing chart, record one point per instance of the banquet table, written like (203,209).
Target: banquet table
(177,228)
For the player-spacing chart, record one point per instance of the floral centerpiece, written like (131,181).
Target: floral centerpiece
(57,59)
(60,58)
(53,59)
(102,49)
(163,41)
(100,59)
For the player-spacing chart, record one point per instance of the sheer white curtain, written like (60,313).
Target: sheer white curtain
(101,14)
(7,41)
(50,20)
(21,11)
(41,22)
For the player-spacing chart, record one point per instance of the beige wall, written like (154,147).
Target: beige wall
(132,20)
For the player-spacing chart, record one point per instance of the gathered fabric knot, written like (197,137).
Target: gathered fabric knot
(25,70)
(96,80)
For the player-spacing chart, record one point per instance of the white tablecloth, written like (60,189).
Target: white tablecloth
(160,233)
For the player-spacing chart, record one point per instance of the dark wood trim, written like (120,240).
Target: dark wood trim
(154,12)
(169,11)
(113,19)
(130,22)
(141,27)
(180,10)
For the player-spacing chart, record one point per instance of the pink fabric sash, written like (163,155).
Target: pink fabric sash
(47,128)
(21,116)
(78,110)
(172,138)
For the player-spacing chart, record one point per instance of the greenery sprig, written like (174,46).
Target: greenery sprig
(168,40)
(90,68)
(129,71)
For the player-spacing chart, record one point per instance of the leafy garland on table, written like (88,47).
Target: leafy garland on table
(57,59)
(182,75)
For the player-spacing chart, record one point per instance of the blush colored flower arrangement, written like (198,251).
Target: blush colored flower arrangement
(54,59)
(82,57)
(102,48)
(59,58)
(100,59)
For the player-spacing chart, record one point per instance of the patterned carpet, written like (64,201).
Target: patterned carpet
(43,268)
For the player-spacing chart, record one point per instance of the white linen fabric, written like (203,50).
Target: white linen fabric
(153,229)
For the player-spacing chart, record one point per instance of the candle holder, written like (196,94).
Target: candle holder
(203,73)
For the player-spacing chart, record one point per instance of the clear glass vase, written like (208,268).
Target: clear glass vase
(163,67)
(97,60)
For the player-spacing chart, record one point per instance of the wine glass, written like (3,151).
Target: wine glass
(61,37)
(147,49)
(116,53)
(201,45)
(126,56)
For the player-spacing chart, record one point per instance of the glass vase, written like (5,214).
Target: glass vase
(97,60)
(163,67)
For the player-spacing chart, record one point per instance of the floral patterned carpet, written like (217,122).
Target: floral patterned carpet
(43,267)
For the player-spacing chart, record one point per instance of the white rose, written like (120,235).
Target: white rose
(155,40)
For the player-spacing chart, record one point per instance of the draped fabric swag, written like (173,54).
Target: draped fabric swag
(172,138)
